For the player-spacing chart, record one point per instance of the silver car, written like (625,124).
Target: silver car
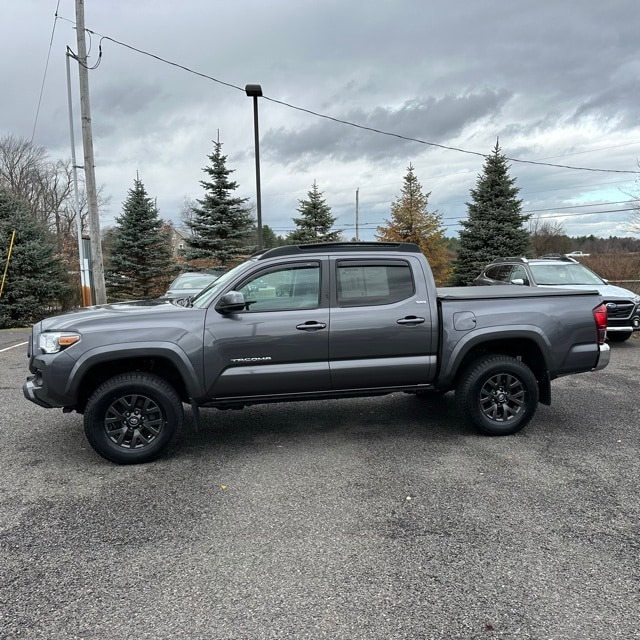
(190,283)
(623,306)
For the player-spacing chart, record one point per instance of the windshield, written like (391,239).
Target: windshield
(205,296)
(192,281)
(564,274)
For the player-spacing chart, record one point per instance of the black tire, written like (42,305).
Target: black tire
(619,336)
(497,394)
(133,418)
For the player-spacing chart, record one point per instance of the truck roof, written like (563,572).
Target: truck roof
(338,247)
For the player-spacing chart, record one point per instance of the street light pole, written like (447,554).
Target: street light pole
(255,91)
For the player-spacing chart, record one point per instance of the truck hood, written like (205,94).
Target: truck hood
(607,291)
(106,314)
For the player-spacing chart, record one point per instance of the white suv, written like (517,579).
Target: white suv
(623,306)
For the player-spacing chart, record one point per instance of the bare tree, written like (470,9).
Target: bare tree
(23,169)
(187,213)
(548,237)
(45,186)
(634,217)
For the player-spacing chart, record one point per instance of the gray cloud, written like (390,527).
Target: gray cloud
(430,119)
(613,107)
(551,79)
(125,105)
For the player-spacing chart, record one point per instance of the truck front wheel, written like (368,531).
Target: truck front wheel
(133,418)
(497,394)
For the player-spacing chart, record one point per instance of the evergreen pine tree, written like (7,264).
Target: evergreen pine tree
(221,226)
(412,222)
(269,237)
(35,279)
(315,221)
(140,264)
(495,224)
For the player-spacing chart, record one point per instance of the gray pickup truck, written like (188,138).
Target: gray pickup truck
(305,323)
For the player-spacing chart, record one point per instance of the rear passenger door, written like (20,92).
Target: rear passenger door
(382,333)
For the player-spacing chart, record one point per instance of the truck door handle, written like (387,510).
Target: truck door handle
(411,320)
(311,325)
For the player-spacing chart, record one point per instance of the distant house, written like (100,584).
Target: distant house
(178,241)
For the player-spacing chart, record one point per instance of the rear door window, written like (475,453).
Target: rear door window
(499,272)
(364,283)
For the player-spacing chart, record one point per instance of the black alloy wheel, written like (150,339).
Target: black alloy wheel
(497,394)
(133,418)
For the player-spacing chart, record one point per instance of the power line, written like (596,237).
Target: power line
(589,213)
(578,153)
(346,122)
(370,225)
(442,146)
(156,57)
(580,206)
(550,216)
(573,206)
(46,67)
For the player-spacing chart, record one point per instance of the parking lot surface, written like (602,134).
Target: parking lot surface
(373,518)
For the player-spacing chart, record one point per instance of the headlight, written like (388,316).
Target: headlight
(57,340)
(636,299)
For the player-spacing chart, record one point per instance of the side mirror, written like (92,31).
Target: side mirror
(231,302)
(518,281)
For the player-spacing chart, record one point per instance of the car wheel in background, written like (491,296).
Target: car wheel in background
(619,336)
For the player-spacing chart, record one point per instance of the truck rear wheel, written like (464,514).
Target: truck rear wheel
(497,394)
(133,418)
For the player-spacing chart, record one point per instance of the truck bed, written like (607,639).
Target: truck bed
(506,291)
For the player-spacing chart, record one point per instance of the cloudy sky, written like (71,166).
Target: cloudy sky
(556,81)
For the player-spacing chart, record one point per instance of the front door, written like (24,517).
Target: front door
(280,343)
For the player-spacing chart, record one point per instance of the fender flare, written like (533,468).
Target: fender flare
(114,352)
(477,338)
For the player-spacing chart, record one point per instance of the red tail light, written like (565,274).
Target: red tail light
(600,316)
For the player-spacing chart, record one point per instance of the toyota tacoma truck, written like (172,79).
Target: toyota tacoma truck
(305,323)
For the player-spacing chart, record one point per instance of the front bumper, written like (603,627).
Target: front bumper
(32,389)
(623,321)
(615,329)
(48,386)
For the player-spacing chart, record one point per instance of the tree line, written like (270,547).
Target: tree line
(42,274)
(222,230)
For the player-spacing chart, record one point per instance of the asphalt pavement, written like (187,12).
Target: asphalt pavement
(381,518)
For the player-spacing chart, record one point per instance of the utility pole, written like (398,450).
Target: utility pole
(89,168)
(357,207)
(85,280)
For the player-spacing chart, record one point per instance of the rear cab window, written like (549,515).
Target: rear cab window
(373,282)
